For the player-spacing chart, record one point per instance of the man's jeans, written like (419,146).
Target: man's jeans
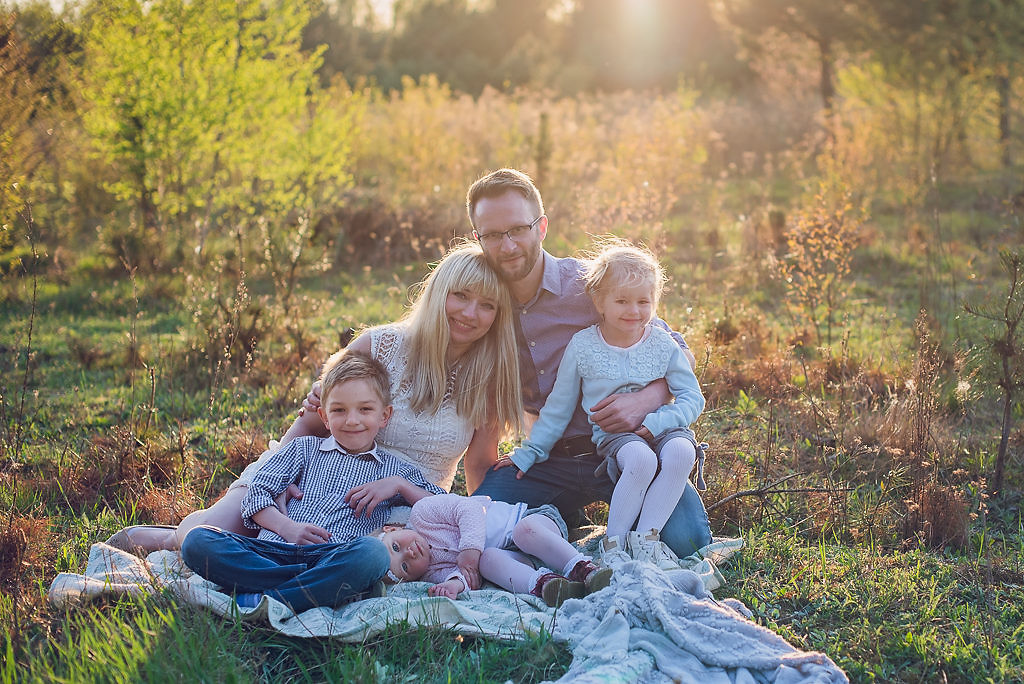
(302,577)
(569,484)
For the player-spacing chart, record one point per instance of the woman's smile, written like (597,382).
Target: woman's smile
(469,316)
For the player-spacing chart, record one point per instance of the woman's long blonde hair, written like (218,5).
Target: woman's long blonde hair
(487,390)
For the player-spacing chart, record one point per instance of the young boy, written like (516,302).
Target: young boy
(317,553)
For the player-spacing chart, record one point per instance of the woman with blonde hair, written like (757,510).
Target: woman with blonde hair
(455,380)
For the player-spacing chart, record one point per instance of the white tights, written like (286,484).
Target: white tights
(643,491)
(537,535)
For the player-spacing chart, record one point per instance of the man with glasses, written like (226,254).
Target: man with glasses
(507,214)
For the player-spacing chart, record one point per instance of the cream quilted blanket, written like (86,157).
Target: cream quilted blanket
(647,626)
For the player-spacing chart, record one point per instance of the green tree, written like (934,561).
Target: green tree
(1006,348)
(17,100)
(356,47)
(952,41)
(496,43)
(213,115)
(38,54)
(828,25)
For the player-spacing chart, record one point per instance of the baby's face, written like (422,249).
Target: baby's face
(410,553)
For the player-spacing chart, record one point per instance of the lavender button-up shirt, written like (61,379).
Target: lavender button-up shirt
(544,326)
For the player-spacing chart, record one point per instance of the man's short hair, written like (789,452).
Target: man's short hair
(497,183)
(344,366)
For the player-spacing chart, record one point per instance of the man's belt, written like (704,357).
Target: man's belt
(580,446)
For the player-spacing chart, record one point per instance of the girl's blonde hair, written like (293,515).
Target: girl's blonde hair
(619,263)
(487,390)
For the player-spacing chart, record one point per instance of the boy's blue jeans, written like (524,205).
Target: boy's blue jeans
(569,484)
(302,577)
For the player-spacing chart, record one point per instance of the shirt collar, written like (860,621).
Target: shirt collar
(331,444)
(552,278)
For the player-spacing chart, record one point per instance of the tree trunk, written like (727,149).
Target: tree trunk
(1003,87)
(827,86)
(1004,437)
(828,89)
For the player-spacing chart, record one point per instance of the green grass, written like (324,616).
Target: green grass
(154,639)
(844,571)
(911,616)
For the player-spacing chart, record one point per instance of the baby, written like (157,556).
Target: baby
(454,540)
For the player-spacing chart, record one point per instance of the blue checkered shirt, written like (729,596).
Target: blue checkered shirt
(325,472)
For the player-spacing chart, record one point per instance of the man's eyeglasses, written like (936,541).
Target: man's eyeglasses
(515,233)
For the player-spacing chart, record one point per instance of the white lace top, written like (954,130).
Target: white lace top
(433,443)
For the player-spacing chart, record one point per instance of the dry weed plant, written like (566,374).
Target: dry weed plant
(816,267)
(243,446)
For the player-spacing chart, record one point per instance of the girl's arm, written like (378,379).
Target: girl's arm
(689,401)
(449,589)
(556,414)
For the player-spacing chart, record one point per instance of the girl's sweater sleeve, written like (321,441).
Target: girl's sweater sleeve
(556,414)
(689,400)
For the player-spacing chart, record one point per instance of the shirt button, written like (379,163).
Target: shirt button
(540,372)
(533,344)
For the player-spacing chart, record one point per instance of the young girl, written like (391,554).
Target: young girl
(623,353)
(454,540)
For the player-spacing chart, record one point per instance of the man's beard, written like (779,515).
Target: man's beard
(530,254)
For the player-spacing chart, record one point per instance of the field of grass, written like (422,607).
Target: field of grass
(884,550)
(853,405)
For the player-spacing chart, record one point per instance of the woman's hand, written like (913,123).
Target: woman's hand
(292,492)
(365,497)
(449,589)
(312,400)
(505,462)
(468,561)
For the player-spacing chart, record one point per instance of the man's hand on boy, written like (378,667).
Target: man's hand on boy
(468,561)
(305,533)
(365,497)
(449,589)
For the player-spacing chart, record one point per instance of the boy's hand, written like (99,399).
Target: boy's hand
(468,561)
(292,492)
(365,497)
(305,533)
(449,589)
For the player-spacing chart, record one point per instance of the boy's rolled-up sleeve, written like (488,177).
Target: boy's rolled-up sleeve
(281,470)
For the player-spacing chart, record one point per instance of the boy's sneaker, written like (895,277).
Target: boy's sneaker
(555,589)
(593,577)
(611,553)
(649,547)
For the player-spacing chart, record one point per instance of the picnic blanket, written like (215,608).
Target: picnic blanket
(648,626)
